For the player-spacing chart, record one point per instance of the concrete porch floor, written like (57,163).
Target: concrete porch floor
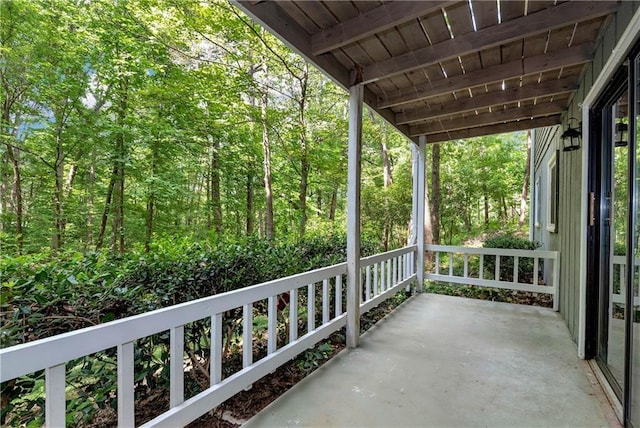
(441,361)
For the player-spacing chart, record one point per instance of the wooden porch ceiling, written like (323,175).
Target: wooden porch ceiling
(447,69)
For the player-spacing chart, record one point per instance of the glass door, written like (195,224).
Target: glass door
(633,135)
(613,239)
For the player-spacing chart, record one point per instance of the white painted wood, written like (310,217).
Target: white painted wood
(126,396)
(376,268)
(176,366)
(247,335)
(368,283)
(413,237)
(216,349)
(272,324)
(389,284)
(481,273)
(356,93)
(382,276)
(394,267)
(212,397)
(466,265)
(17,361)
(55,399)
(515,269)
(437,262)
(536,267)
(450,264)
(338,295)
(293,315)
(556,284)
(325,301)
(311,307)
(421,152)
(497,272)
(391,291)
(492,283)
(494,251)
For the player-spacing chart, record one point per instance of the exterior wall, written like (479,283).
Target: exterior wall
(567,239)
(546,142)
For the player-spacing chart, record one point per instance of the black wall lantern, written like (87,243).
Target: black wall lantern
(622,132)
(571,137)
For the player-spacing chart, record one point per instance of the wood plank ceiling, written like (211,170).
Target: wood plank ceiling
(448,69)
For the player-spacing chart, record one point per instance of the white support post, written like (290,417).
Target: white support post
(55,401)
(353,215)
(414,201)
(420,211)
(126,396)
(176,371)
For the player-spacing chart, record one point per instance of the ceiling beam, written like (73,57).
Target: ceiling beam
(495,129)
(579,54)
(489,118)
(547,88)
(547,19)
(369,23)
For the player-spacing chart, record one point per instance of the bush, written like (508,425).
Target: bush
(525,265)
(42,296)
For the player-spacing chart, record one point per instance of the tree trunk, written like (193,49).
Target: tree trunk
(91,209)
(387,181)
(486,205)
(249,201)
(386,164)
(151,199)
(334,203)
(107,209)
(428,227)
(118,242)
(4,192)
(16,196)
(56,238)
(525,184)
(435,192)
(305,165)
(266,163)
(216,204)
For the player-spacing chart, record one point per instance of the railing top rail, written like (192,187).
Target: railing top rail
(19,360)
(622,260)
(368,261)
(545,254)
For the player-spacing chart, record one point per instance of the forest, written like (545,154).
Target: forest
(158,151)
(128,122)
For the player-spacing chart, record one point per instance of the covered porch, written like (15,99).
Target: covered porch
(449,361)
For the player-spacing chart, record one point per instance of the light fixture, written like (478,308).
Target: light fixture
(571,137)
(622,130)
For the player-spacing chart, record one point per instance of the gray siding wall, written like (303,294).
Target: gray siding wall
(567,240)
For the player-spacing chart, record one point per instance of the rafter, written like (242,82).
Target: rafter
(520,125)
(374,21)
(579,54)
(550,87)
(490,118)
(515,29)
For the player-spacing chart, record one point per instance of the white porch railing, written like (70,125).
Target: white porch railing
(618,275)
(461,256)
(383,275)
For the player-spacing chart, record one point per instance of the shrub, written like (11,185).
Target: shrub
(525,265)
(43,296)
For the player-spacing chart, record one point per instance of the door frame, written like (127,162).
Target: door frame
(627,46)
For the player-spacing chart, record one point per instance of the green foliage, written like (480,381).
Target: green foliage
(43,296)
(525,265)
